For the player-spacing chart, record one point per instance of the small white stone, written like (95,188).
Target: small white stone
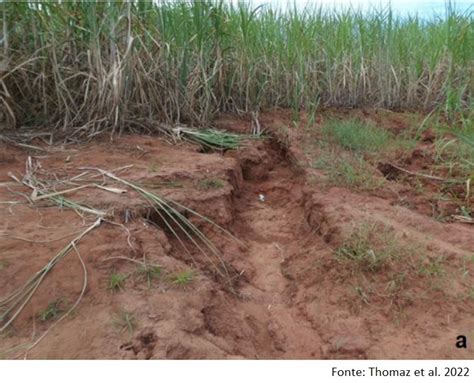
(261,198)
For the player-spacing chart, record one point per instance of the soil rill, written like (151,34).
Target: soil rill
(320,270)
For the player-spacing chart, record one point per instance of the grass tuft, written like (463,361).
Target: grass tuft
(432,267)
(150,272)
(3,265)
(117,282)
(125,321)
(367,248)
(211,183)
(53,311)
(183,278)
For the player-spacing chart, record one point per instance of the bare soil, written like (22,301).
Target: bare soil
(292,298)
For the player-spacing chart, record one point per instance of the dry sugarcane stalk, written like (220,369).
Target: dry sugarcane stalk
(16,301)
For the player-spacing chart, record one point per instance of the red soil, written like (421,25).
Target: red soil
(294,299)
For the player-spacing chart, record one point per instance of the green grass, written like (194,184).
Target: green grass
(52,311)
(379,265)
(183,278)
(456,157)
(432,268)
(3,265)
(396,283)
(470,294)
(357,174)
(364,138)
(149,273)
(117,282)
(368,253)
(362,295)
(454,161)
(369,248)
(356,135)
(115,65)
(154,167)
(125,321)
(348,171)
(210,184)
(469,258)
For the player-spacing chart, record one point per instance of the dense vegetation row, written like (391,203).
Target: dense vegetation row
(116,65)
